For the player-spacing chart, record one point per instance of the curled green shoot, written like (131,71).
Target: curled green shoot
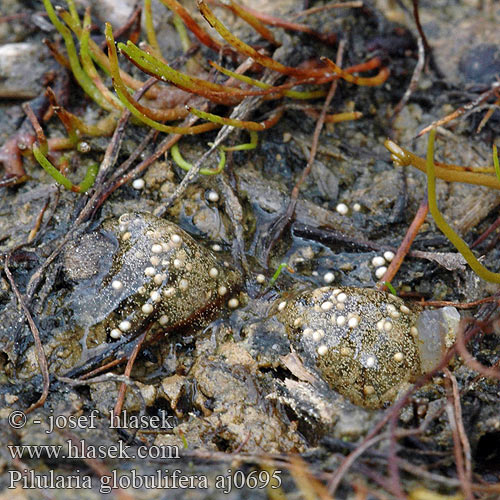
(390,288)
(247,146)
(80,75)
(185,165)
(276,275)
(457,241)
(84,186)
(132,105)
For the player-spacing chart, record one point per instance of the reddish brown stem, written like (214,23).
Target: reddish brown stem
(404,248)
(128,370)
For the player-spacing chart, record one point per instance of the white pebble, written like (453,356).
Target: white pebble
(398,357)
(183,284)
(138,184)
(260,278)
(158,279)
(233,303)
(216,247)
(387,326)
(318,335)
(163,320)
(341,320)
(388,256)
(342,297)
(378,261)
(322,350)
(356,207)
(115,333)
(147,308)
(380,271)
(126,236)
(157,248)
(176,239)
(342,208)
(155,296)
(326,306)
(213,196)
(149,271)
(222,290)
(328,277)
(213,273)
(177,263)
(370,361)
(155,260)
(404,309)
(169,292)
(116,285)
(308,331)
(282,305)
(125,326)
(353,322)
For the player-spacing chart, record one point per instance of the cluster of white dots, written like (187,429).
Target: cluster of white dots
(379,263)
(159,278)
(343,209)
(337,300)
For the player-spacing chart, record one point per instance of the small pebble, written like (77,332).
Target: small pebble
(388,256)
(213,196)
(380,271)
(124,326)
(378,261)
(233,303)
(115,333)
(138,184)
(117,285)
(260,278)
(342,208)
(328,277)
(356,207)
(147,308)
